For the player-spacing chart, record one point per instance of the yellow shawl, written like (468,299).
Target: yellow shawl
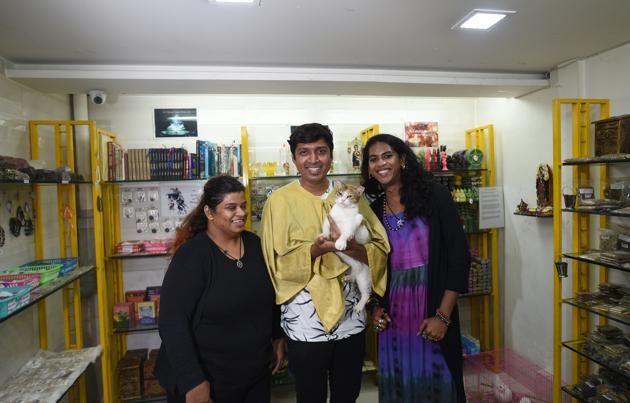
(292,219)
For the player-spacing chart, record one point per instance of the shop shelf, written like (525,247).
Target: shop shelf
(611,213)
(568,389)
(137,329)
(55,285)
(534,215)
(154,181)
(617,318)
(597,161)
(285,177)
(576,346)
(137,255)
(589,259)
(40,182)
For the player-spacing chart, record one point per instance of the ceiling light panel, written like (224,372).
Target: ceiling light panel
(235,1)
(482,19)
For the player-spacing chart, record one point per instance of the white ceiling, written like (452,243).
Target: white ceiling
(378,37)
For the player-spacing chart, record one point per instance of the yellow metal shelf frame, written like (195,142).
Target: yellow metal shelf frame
(580,114)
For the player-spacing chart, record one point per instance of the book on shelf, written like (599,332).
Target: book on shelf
(138,164)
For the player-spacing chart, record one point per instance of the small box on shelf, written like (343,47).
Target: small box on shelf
(123,316)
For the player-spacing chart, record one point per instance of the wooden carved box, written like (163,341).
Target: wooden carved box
(612,135)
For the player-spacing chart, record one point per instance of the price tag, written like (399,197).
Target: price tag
(27,181)
(65,182)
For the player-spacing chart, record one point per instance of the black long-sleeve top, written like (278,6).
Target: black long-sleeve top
(449,264)
(216,320)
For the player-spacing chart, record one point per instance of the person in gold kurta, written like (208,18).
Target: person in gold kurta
(326,339)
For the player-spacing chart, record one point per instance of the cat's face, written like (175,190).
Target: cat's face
(347,194)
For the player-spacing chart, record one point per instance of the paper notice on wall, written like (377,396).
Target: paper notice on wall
(491,213)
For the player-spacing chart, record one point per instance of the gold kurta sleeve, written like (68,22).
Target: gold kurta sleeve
(292,218)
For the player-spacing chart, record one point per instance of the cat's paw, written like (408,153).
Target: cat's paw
(358,308)
(341,244)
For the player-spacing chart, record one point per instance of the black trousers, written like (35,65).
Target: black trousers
(318,365)
(259,392)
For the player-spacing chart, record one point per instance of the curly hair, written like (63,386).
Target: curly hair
(214,191)
(415,191)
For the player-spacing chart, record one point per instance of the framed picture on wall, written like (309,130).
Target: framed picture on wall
(421,134)
(176,122)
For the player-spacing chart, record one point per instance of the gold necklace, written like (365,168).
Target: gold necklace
(239,263)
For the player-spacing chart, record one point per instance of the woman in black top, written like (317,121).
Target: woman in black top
(420,353)
(217,311)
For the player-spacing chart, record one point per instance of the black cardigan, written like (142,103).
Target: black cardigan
(216,320)
(449,264)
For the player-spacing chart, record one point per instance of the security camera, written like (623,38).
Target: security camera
(97,97)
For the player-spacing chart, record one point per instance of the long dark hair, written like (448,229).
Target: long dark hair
(415,190)
(214,191)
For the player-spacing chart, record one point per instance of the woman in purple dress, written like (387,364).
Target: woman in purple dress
(419,346)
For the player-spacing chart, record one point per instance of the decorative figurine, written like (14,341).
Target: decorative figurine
(443,158)
(354,152)
(544,186)
(522,207)
(427,158)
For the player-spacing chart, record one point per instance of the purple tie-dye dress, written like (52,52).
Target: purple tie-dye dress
(410,368)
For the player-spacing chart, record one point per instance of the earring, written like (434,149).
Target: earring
(403,166)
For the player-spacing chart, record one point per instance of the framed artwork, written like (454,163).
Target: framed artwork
(175,122)
(421,134)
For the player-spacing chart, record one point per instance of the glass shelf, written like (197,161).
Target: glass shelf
(568,389)
(593,260)
(153,181)
(576,346)
(617,318)
(44,182)
(43,291)
(534,215)
(597,161)
(137,329)
(610,213)
(285,177)
(137,255)
(459,171)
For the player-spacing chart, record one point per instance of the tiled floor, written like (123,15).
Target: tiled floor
(286,393)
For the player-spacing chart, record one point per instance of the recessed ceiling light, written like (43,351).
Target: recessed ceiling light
(482,19)
(235,1)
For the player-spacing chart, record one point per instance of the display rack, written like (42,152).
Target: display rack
(114,262)
(485,313)
(581,162)
(66,139)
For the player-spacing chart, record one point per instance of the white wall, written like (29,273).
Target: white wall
(524,130)
(18,104)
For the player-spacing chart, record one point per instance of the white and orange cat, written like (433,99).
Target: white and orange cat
(345,213)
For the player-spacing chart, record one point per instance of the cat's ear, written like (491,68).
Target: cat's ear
(340,186)
(360,190)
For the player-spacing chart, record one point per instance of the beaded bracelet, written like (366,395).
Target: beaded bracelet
(440,315)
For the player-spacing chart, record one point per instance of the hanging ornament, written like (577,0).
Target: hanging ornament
(2,233)
(28,222)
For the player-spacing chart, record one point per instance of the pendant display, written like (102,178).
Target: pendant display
(239,264)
